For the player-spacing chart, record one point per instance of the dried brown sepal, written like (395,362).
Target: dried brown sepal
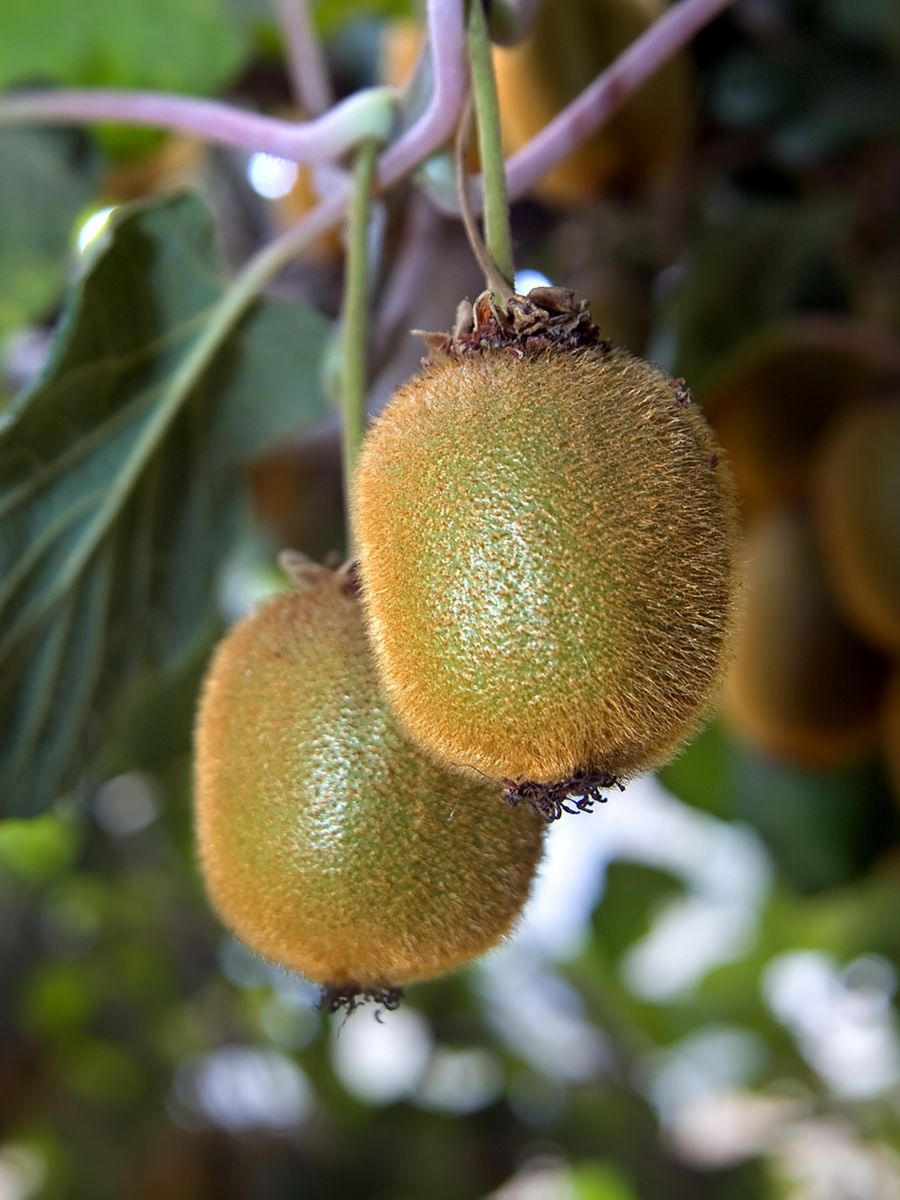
(300,569)
(551,800)
(683,395)
(348,578)
(348,997)
(547,318)
(303,571)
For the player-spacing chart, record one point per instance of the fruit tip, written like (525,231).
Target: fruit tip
(348,997)
(550,800)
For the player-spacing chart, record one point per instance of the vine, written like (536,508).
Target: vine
(364,121)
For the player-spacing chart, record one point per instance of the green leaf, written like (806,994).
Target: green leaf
(874,23)
(189,46)
(332,15)
(158,724)
(170,45)
(633,895)
(702,774)
(598,1181)
(37,850)
(46,179)
(121,487)
(822,827)
(814,99)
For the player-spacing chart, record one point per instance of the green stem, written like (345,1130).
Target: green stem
(497,234)
(356,315)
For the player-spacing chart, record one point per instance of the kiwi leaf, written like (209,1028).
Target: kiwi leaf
(174,45)
(120,485)
(47,177)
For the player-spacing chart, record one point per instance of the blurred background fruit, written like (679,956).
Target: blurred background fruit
(177,162)
(777,395)
(296,493)
(802,685)
(857,509)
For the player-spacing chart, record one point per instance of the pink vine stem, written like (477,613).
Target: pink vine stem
(323,139)
(307,141)
(589,111)
(315,141)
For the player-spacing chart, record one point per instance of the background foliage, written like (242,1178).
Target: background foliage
(702,1001)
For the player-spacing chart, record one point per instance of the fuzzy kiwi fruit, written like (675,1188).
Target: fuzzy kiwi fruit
(549,551)
(802,686)
(857,505)
(328,843)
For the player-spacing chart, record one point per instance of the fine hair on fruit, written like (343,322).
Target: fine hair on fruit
(549,551)
(330,844)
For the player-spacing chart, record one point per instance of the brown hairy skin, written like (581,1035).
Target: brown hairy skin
(549,554)
(802,686)
(857,507)
(328,843)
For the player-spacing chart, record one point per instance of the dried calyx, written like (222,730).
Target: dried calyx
(548,317)
(348,997)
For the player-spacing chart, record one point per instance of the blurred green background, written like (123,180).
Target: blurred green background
(701,1000)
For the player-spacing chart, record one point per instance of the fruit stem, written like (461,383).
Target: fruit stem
(367,113)
(497,233)
(500,290)
(356,314)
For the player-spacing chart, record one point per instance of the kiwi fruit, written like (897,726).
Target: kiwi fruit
(548,547)
(774,400)
(803,686)
(328,843)
(857,506)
